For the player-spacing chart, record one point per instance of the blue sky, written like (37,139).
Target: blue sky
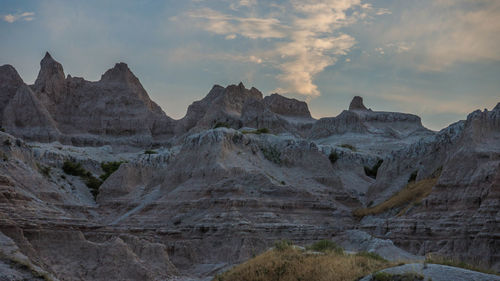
(439,59)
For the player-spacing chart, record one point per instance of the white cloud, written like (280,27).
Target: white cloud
(26,16)
(303,36)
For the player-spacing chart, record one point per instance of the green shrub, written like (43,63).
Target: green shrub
(2,130)
(384,276)
(44,170)
(109,168)
(149,151)
(74,169)
(326,246)
(333,157)
(272,154)
(282,245)
(221,125)
(258,131)
(372,172)
(348,146)
(371,255)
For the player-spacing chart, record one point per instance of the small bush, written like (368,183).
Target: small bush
(333,157)
(44,170)
(221,125)
(348,146)
(2,130)
(413,176)
(109,168)
(272,154)
(7,142)
(372,172)
(371,255)
(282,245)
(326,246)
(74,169)
(150,152)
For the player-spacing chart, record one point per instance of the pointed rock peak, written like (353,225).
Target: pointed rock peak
(47,56)
(50,72)
(119,73)
(241,86)
(357,104)
(497,108)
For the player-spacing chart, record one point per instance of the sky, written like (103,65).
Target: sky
(439,59)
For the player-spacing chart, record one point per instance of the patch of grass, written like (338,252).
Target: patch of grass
(409,276)
(371,255)
(76,169)
(437,259)
(44,170)
(272,154)
(282,245)
(372,172)
(149,151)
(326,246)
(413,193)
(221,125)
(109,168)
(333,157)
(258,131)
(348,146)
(294,264)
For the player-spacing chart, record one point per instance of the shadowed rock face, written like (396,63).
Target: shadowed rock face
(287,107)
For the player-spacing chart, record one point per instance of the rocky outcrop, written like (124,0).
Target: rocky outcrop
(238,107)
(460,216)
(359,120)
(27,117)
(10,81)
(287,107)
(357,104)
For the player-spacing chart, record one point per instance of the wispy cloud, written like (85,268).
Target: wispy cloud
(449,32)
(303,37)
(26,16)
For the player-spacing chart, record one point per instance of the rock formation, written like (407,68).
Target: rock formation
(197,195)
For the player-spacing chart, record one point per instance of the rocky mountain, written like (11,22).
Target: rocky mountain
(97,182)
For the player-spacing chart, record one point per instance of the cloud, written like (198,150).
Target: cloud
(303,37)
(26,16)
(448,32)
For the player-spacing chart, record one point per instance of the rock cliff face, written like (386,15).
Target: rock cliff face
(197,195)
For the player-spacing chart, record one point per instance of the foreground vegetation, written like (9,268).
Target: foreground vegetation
(412,194)
(286,263)
(436,259)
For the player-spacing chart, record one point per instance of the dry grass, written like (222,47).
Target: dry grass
(413,193)
(295,265)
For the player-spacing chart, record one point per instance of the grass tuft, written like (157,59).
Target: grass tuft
(348,146)
(293,264)
(326,246)
(414,193)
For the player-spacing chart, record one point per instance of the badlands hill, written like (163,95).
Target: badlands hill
(194,196)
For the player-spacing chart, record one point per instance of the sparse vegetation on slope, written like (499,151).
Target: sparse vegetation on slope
(413,193)
(333,157)
(348,146)
(76,169)
(109,168)
(258,131)
(291,264)
(326,246)
(409,276)
(437,259)
(272,154)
